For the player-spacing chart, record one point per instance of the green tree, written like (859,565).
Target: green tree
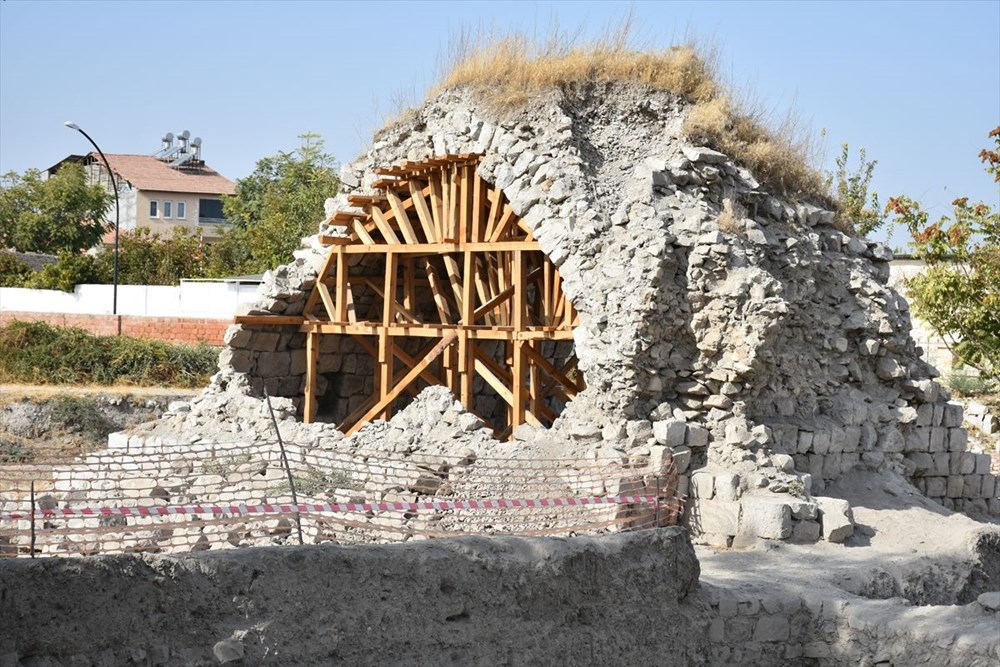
(275,206)
(959,293)
(58,214)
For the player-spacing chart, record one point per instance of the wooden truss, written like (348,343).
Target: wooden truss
(439,256)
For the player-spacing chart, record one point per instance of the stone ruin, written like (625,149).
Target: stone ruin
(747,333)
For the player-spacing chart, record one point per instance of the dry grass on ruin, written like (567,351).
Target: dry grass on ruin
(508,71)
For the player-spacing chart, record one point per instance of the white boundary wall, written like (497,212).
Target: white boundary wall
(217,299)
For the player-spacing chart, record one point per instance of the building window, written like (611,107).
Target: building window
(167,209)
(210,212)
(154,209)
(181,210)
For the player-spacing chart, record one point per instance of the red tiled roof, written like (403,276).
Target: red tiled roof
(145,172)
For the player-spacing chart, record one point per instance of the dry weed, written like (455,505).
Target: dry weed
(506,71)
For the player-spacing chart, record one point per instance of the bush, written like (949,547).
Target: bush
(80,414)
(38,353)
(70,270)
(13,271)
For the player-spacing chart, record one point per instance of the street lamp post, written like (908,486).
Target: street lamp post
(114,186)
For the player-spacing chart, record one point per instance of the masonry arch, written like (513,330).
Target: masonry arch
(435,280)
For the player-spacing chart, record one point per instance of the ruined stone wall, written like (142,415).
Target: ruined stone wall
(633,598)
(739,327)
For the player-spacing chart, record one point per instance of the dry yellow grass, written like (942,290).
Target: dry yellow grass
(506,72)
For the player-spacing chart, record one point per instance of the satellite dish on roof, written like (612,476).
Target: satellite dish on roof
(196,141)
(185,135)
(168,138)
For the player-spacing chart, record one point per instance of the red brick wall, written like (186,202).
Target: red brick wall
(170,329)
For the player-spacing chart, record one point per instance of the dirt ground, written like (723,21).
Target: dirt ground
(65,420)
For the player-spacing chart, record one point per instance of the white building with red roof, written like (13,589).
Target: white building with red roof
(165,190)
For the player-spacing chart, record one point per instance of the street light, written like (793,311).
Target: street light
(114,186)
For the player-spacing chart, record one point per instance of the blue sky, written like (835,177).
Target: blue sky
(916,83)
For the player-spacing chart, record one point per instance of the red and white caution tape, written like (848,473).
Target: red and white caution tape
(319,508)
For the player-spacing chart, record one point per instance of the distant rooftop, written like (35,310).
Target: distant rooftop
(146,172)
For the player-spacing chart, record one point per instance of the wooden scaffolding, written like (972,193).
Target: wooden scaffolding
(438,264)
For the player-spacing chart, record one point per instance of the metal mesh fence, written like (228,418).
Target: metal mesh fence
(193,497)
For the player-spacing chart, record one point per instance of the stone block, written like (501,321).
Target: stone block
(989,487)
(838,441)
(716,516)
(958,439)
(682,458)
(937,487)
(771,628)
(273,364)
(942,464)
(821,442)
(805,532)
(727,487)
(952,416)
(670,432)
(816,466)
(766,518)
(264,341)
(697,436)
(832,466)
(982,464)
(702,486)
(956,486)
(892,440)
(917,439)
(973,486)
(923,463)
(938,414)
(805,441)
(925,414)
(836,518)
(852,438)
(938,439)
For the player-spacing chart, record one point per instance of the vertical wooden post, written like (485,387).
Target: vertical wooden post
(340,300)
(518,321)
(386,358)
(312,361)
(466,351)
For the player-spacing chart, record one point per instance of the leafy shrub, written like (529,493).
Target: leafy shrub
(964,384)
(70,270)
(13,271)
(39,353)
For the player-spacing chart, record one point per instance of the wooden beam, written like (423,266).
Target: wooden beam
(384,227)
(401,354)
(359,229)
(440,302)
(269,320)
(518,282)
(440,248)
(331,307)
(501,226)
(399,310)
(340,298)
(402,218)
(464,194)
(476,221)
(455,278)
(388,397)
(553,372)
(312,361)
(423,213)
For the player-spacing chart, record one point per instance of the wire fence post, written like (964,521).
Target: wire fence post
(32,515)
(288,469)
(656,504)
